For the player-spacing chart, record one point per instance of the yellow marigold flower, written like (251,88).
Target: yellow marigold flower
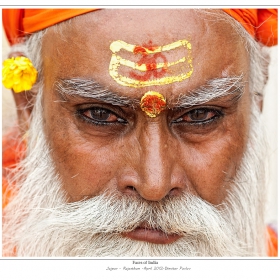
(18,74)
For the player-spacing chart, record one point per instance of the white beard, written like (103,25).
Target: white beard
(40,223)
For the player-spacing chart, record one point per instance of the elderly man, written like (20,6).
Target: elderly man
(142,135)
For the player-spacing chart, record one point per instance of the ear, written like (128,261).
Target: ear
(24,105)
(259,98)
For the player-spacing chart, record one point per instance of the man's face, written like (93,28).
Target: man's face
(100,145)
(186,182)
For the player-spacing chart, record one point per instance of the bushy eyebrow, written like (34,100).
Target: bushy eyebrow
(90,89)
(212,90)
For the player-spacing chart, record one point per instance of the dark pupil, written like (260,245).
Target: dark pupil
(198,115)
(99,114)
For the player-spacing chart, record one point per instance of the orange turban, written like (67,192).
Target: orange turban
(260,23)
(20,22)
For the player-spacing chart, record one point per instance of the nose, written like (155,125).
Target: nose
(156,164)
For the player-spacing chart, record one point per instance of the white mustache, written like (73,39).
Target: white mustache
(107,216)
(116,214)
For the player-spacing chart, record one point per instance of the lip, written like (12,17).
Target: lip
(155,236)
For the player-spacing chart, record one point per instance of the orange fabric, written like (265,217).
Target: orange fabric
(272,242)
(247,17)
(262,24)
(33,17)
(12,151)
(12,23)
(268,21)
(19,22)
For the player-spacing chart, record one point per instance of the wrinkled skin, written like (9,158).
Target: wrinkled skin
(143,156)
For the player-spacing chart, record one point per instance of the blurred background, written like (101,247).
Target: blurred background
(270,114)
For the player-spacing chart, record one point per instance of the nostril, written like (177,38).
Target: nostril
(175,191)
(131,188)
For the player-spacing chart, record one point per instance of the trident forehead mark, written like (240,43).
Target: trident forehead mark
(148,65)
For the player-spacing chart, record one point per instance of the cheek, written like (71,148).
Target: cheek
(85,167)
(216,161)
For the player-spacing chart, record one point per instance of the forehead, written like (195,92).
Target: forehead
(81,47)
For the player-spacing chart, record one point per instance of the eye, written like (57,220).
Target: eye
(199,116)
(100,116)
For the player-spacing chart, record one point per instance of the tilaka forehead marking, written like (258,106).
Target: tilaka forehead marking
(148,64)
(152,103)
